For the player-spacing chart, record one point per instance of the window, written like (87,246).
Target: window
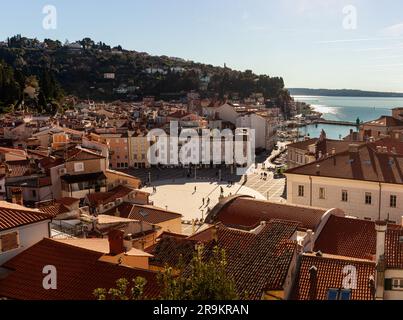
(34,193)
(345,294)
(339,294)
(301,191)
(344,196)
(322,193)
(397,284)
(333,294)
(9,242)
(79,167)
(393,201)
(368,198)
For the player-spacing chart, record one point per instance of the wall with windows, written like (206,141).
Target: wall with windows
(27,236)
(356,198)
(393,285)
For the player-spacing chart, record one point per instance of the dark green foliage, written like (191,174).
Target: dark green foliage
(80,72)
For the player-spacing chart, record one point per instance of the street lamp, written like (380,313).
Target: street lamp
(149,178)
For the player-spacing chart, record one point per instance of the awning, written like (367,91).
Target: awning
(83,177)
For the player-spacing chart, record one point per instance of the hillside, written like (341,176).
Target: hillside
(95,70)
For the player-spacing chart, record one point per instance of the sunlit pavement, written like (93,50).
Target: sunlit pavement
(182,197)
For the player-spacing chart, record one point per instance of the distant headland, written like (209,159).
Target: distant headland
(343,93)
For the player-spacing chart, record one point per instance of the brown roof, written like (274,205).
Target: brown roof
(256,261)
(13,216)
(151,214)
(347,237)
(79,154)
(330,276)
(98,198)
(385,121)
(55,209)
(394,247)
(18,168)
(50,162)
(67,201)
(79,273)
(244,212)
(303,145)
(366,164)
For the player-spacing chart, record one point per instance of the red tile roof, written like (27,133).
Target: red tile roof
(67,201)
(18,168)
(79,273)
(348,237)
(96,199)
(147,213)
(12,218)
(394,247)
(330,276)
(385,121)
(366,164)
(256,261)
(55,209)
(243,212)
(79,154)
(151,214)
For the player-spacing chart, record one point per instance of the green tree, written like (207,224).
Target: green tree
(204,278)
(122,292)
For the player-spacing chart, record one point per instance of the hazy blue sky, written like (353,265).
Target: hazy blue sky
(302,40)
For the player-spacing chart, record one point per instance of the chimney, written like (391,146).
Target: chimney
(333,151)
(310,243)
(313,279)
(116,246)
(380,227)
(379,149)
(214,235)
(385,149)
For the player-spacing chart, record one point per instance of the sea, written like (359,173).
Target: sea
(346,109)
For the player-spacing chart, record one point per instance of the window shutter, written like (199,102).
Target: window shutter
(9,241)
(388,284)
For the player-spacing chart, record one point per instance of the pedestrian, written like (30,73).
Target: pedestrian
(203,201)
(195,189)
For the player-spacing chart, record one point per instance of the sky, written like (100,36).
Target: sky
(335,44)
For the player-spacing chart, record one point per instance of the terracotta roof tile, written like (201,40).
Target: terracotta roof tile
(245,213)
(79,273)
(256,261)
(367,165)
(330,276)
(151,214)
(348,237)
(99,198)
(12,216)
(55,209)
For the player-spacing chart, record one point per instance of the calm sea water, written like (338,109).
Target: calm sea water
(347,109)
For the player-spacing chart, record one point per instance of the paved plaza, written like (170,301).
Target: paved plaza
(193,192)
(194,199)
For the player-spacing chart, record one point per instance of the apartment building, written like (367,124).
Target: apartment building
(365,181)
